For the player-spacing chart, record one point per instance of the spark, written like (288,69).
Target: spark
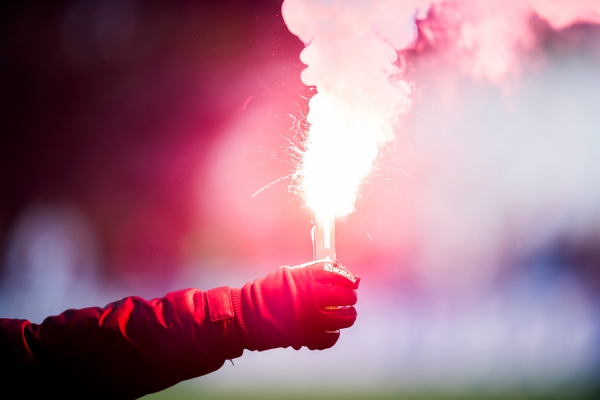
(271,184)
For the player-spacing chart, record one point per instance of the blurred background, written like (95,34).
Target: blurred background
(135,139)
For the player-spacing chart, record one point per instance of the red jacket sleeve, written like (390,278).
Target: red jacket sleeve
(125,350)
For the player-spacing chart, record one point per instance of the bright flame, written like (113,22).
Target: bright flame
(351,53)
(341,145)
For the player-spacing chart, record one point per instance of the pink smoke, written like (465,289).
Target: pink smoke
(490,39)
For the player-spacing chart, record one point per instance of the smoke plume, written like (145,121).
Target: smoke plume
(351,53)
(353,62)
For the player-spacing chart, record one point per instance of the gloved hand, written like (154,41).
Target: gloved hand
(296,306)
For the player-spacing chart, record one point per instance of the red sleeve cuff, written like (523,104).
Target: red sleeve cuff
(241,325)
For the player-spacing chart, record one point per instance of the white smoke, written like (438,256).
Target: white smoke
(351,50)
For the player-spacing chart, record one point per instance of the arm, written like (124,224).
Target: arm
(134,347)
(127,349)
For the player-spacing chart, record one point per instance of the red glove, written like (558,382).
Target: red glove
(296,306)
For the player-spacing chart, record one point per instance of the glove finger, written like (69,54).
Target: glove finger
(323,340)
(338,318)
(335,296)
(334,273)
